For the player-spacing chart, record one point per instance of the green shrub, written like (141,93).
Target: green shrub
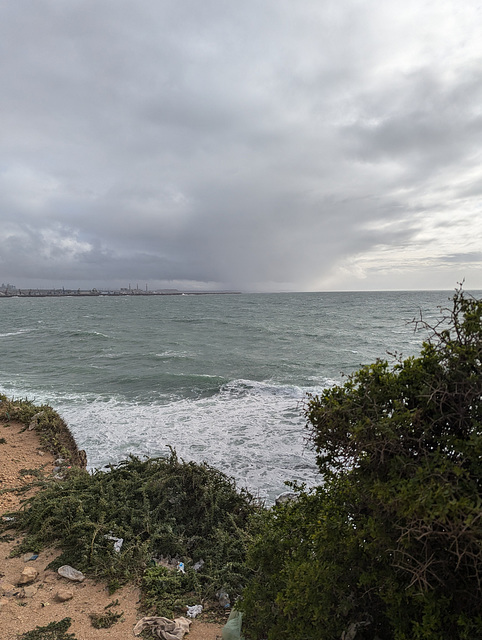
(51,631)
(391,545)
(159,507)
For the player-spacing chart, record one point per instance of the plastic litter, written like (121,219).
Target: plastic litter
(164,628)
(118,542)
(223,598)
(198,565)
(232,628)
(180,567)
(66,571)
(30,556)
(194,611)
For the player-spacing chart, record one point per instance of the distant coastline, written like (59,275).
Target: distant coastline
(10,291)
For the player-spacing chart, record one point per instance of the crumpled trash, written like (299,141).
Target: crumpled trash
(232,628)
(118,542)
(194,611)
(180,567)
(198,565)
(223,598)
(66,571)
(163,627)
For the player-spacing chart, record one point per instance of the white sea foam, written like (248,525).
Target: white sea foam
(15,333)
(252,431)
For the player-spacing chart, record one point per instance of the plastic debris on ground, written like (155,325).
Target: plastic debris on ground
(194,611)
(223,598)
(164,628)
(118,542)
(232,628)
(66,571)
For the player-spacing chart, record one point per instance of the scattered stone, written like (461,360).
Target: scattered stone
(63,595)
(40,453)
(66,571)
(49,578)
(29,574)
(29,591)
(7,589)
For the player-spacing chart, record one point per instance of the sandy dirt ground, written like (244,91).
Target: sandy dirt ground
(22,608)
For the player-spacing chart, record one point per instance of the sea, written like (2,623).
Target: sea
(222,379)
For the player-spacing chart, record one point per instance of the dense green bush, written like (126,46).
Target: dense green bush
(159,507)
(391,545)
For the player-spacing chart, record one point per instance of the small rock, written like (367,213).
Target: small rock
(29,591)
(63,595)
(66,571)
(29,574)
(40,453)
(7,589)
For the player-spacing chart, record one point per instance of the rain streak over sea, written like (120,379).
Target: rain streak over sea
(221,378)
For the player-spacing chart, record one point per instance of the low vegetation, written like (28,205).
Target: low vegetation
(52,631)
(162,509)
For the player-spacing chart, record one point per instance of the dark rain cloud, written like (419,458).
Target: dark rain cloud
(248,145)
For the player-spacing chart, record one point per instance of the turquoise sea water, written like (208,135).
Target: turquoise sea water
(221,378)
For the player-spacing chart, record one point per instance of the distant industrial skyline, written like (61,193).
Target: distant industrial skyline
(249,146)
(9,290)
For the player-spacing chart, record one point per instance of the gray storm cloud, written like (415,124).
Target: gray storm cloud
(256,146)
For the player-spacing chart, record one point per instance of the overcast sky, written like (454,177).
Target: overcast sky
(273,145)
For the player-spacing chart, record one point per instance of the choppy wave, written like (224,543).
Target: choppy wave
(87,334)
(20,332)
